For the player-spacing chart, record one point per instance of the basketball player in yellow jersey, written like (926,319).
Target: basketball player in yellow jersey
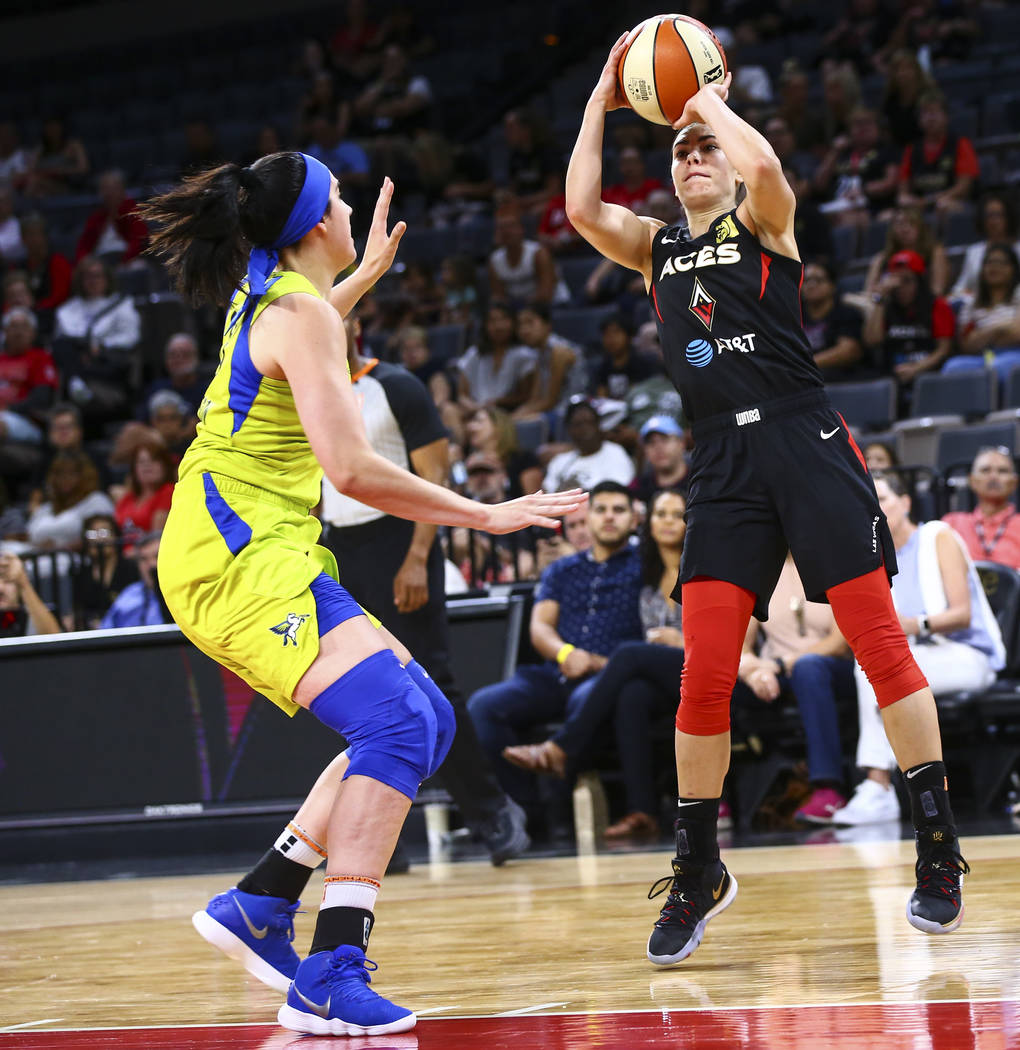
(240,567)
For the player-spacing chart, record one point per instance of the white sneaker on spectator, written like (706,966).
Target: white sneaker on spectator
(870,804)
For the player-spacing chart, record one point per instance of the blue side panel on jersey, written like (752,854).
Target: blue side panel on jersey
(236,532)
(245,378)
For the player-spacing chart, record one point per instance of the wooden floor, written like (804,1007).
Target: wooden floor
(812,925)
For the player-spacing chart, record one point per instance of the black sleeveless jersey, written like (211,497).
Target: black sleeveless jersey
(729,319)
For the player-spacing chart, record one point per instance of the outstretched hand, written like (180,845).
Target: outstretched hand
(607,89)
(539,508)
(381,247)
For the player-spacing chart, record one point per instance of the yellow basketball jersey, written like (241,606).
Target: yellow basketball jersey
(248,426)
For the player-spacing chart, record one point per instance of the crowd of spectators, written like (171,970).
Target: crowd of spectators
(542,358)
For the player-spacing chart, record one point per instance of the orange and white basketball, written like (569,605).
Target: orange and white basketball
(667,60)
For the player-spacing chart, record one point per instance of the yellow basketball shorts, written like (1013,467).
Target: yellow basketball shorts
(246,580)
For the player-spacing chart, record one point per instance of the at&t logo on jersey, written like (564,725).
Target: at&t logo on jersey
(725,254)
(700,353)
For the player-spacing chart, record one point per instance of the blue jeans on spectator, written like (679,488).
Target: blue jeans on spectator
(818,683)
(1005,361)
(504,713)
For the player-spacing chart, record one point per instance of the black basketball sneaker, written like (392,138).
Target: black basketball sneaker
(697,893)
(936,905)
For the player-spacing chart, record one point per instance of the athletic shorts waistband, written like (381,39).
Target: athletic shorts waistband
(763,412)
(225,484)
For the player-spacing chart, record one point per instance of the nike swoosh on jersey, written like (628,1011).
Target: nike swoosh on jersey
(913,772)
(256,933)
(825,437)
(321,1009)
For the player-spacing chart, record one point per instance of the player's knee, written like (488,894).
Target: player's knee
(387,719)
(446,719)
(890,667)
(399,752)
(706,687)
(864,611)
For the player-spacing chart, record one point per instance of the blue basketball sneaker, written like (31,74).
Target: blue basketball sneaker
(256,931)
(330,996)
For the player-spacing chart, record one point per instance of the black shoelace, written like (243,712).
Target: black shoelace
(939,872)
(676,901)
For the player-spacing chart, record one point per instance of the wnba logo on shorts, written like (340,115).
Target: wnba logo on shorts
(699,352)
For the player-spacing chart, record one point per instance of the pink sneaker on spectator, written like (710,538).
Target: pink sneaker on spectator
(820,806)
(725,816)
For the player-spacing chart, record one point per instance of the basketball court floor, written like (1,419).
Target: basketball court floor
(814,953)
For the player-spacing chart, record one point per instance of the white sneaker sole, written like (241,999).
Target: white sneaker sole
(927,926)
(230,944)
(312,1024)
(699,931)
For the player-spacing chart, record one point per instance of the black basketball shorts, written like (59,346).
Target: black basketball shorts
(783,474)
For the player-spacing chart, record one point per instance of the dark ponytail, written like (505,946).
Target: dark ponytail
(207,225)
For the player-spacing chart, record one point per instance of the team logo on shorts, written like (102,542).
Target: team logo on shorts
(702,305)
(289,628)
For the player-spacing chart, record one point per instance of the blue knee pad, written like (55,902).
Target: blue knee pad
(446,720)
(387,720)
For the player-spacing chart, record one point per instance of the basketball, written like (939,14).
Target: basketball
(667,59)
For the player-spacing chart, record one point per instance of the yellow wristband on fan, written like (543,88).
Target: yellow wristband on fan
(564,651)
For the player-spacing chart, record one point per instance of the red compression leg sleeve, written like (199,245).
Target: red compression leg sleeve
(715,618)
(864,610)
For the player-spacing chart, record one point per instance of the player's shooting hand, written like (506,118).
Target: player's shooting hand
(696,112)
(381,247)
(411,585)
(607,89)
(539,508)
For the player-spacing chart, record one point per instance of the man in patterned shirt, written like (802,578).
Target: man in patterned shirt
(585,605)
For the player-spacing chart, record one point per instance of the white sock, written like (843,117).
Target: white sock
(350,891)
(297,845)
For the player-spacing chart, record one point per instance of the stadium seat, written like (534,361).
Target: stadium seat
(969,394)
(576,272)
(844,244)
(870,405)
(1011,393)
(531,433)
(959,228)
(582,325)
(918,438)
(959,446)
(445,341)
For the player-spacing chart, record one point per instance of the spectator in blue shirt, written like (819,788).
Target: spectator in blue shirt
(140,604)
(586,604)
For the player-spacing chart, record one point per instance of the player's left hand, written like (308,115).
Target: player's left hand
(694,110)
(381,247)
(411,586)
(538,508)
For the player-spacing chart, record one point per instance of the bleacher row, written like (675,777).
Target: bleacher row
(951,416)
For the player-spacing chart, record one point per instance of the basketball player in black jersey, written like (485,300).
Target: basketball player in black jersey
(774,467)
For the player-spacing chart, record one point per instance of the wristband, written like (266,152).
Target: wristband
(564,651)
(923,628)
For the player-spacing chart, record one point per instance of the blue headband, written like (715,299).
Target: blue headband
(308,210)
